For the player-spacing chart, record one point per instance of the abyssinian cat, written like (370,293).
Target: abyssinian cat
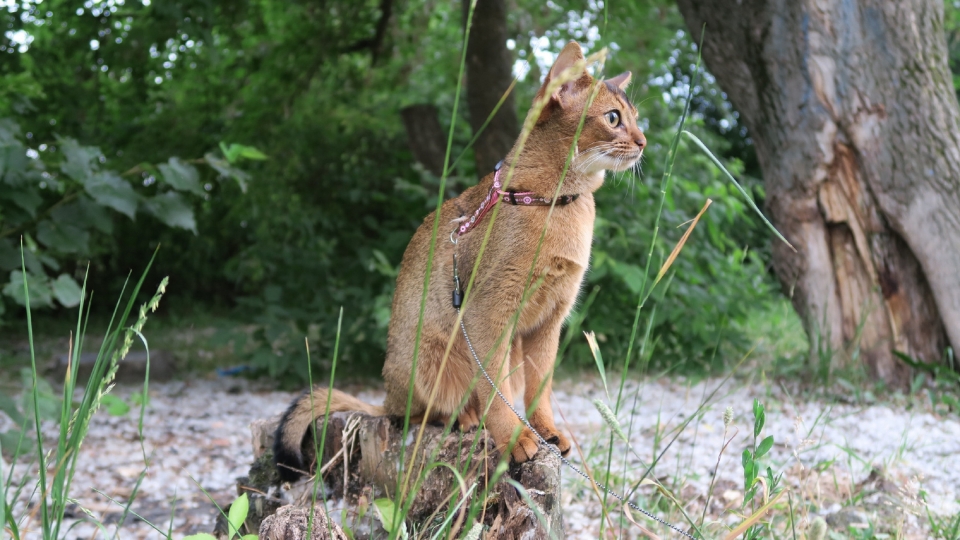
(610,140)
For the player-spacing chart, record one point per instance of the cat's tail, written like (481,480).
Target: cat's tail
(298,418)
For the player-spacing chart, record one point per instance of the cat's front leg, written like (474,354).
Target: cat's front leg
(540,352)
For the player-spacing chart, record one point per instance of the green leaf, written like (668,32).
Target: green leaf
(84,213)
(235,151)
(598,359)
(66,291)
(9,131)
(80,161)
(759,419)
(386,510)
(631,274)
(749,468)
(62,237)
(114,405)
(9,406)
(26,197)
(9,440)
(170,209)
(238,514)
(249,537)
(49,402)
(227,171)
(109,190)
(250,152)
(200,536)
(764,447)
(181,176)
(39,286)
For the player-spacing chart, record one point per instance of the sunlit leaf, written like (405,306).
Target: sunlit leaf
(66,291)
(181,176)
(386,510)
(238,513)
(170,209)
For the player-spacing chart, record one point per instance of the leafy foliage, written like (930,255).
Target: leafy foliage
(64,206)
(318,88)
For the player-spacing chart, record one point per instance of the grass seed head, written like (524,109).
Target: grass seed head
(818,529)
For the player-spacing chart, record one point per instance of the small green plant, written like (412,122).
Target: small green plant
(753,478)
(236,516)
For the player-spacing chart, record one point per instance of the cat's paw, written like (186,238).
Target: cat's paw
(468,419)
(526,447)
(553,436)
(561,442)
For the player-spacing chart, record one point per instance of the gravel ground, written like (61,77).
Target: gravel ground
(196,436)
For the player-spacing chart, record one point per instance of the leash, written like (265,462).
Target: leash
(457,302)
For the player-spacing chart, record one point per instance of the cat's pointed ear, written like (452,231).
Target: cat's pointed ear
(622,81)
(570,58)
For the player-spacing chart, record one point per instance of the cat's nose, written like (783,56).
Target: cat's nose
(641,141)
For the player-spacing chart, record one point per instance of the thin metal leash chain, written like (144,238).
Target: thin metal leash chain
(551,448)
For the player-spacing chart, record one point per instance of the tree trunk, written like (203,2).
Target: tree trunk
(489,74)
(425,136)
(857,130)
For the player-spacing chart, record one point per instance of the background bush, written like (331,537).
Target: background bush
(97,97)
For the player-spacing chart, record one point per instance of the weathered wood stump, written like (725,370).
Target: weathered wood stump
(362,458)
(293,522)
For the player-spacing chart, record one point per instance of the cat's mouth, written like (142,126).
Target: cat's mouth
(599,159)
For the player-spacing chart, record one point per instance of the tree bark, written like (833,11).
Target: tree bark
(489,74)
(852,110)
(425,136)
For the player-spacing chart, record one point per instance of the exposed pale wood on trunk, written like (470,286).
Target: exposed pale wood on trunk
(855,121)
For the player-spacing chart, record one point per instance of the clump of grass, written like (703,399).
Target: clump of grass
(57,464)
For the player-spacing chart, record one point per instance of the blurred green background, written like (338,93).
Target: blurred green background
(261,145)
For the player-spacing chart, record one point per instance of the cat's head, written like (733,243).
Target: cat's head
(610,139)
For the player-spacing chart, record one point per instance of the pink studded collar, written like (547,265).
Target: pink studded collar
(516,198)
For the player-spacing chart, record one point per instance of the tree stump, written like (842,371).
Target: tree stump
(362,457)
(292,522)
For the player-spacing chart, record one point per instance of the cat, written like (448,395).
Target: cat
(610,140)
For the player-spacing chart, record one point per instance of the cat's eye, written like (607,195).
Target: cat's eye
(613,118)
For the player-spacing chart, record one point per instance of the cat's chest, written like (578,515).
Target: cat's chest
(569,235)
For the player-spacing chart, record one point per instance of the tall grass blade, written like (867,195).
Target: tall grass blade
(742,191)
(453,513)
(679,246)
(755,517)
(432,249)
(44,509)
(598,359)
(318,446)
